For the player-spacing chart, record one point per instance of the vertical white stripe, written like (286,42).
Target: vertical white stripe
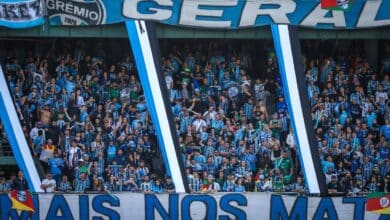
(19,135)
(295,99)
(160,108)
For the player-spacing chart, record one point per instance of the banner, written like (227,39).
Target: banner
(21,13)
(191,206)
(227,14)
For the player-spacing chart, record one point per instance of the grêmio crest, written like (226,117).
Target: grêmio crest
(76,12)
(21,196)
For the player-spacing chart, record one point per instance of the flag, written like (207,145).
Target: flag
(378,203)
(205,188)
(342,5)
(325,4)
(22,200)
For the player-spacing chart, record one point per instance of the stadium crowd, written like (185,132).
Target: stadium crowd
(88,123)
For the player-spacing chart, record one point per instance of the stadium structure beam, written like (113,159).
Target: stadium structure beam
(288,51)
(16,137)
(144,43)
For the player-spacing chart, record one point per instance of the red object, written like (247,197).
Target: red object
(378,202)
(328,3)
(22,200)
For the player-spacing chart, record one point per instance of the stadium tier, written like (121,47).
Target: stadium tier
(109,111)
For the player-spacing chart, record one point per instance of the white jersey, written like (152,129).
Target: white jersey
(49,185)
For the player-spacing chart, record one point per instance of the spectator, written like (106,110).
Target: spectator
(229,185)
(73,155)
(131,185)
(146,185)
(157,187)
(12,179)
(298,186)
(111,185)
(239,187)
(386,184)
(332,185)
(169,186)
(48,184)
(56,165)
(4,186)
(97,185)
(64,185)
(358,187)
(47,152)
(373,185)
(195,183)
(20,183)
(212,186)
(82,183)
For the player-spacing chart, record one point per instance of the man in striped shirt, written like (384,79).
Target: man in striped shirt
(195,183)
(82,184)
(367,168)
(4,186)
(229,184)
(248,109)
(146,186)
(64,185)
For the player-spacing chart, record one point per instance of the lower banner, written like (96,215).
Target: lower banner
(190,206)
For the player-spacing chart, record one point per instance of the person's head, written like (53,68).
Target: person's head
(299,180)
(373,179)
(376,168)
(20,174)
(49,176)
(64,178)
(334,179)
(284,154)
(74,143)
(358,182)
(210,178)
(168,180)
(195,174)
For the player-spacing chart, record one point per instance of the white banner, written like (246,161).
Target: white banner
(191,206)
